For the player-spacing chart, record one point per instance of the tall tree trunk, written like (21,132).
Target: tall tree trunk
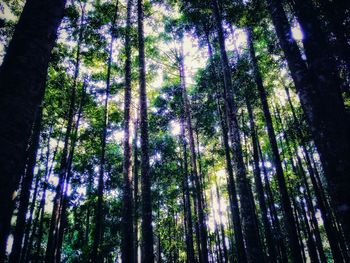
(259,188)
(56,212)
(325,114)
(28,247)
(127,214)
(58,200)
(136,191)
(273,211)
(147,254)
(63,218)
(222,230)
(289,220)
(251,233)
(187,198)
(99,216)
(22,81)
(197,181)
(25,189)
(233,200)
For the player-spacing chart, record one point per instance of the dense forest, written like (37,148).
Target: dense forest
(175,131)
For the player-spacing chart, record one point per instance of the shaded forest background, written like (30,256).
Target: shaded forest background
(174,131)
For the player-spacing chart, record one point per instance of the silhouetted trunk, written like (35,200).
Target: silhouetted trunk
(22,80)
(99,215)
(289,220)
(259,188)
(324,112)
(231,186)
(65,203)
(251,233)
(193,157)
(273,211)
(147,254)
(57,202)
(28,244)
(187,198)
(127,211)
(25,190)
(335,15)
(136,191)
(222,230)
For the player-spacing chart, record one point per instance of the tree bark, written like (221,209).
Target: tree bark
(147,254)
(187,198)
(22,80)
(127,211)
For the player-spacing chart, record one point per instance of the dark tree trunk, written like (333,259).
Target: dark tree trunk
(325,113)
(97,255)
(53,238)
(25,189)
(335,15)
(187,198)
(27,248)
(233,200)
(260,189)
(147,254)
(197,182)
(65,203)
(251,233)
(289,220)
(136,191)
(222,230)
(22,80)
(127,214)
(56,212)
(273,211)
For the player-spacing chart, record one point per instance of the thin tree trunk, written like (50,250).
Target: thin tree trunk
(251,233)
(259,188)
(197,185)
(97,255)
(25,190)
(63,218)
(127,211)
(56,212)
(222,230)
(273,211)
(187,198)
(136,191)
(147,254)
(233,200)
(286,205)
